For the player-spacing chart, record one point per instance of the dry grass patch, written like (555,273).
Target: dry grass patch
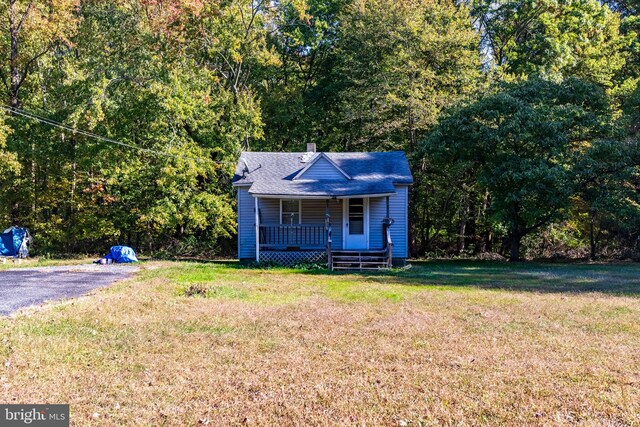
(183,344)
(10,263)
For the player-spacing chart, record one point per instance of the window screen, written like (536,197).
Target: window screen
(356,216)
(290,212)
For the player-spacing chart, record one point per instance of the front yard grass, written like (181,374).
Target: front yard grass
(11,263)
(440,343)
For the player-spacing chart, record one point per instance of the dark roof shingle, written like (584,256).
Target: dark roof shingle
(371,173)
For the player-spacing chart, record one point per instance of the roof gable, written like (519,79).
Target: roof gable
(273,173)
(322,167)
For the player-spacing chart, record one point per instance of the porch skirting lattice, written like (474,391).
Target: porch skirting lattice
(293,257)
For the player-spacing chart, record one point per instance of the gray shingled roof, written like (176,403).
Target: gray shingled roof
(371,173)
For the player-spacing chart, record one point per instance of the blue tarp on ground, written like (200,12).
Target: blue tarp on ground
(122,254)
(12,239)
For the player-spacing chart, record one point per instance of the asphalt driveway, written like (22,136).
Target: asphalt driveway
(24,287)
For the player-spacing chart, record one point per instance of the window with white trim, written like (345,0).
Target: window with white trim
(290,212)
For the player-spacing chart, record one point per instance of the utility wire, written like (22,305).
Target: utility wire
(54,123)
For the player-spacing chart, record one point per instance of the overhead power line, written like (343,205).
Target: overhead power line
(54,123)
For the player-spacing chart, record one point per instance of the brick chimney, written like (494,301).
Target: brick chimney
(311,147)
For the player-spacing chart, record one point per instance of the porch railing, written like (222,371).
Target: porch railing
(302,236)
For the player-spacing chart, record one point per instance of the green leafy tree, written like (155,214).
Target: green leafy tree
(556,39)
(172,78)
(9,165)
(31,30)
(397,65)
(607,190)
(30,34)
(521,145)
(292,89)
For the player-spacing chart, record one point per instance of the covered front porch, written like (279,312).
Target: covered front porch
(342,232)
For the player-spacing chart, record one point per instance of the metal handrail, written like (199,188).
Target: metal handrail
(388,243)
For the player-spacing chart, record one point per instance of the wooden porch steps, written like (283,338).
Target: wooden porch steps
(360,260)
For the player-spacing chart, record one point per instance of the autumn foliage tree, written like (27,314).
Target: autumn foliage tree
(173,90)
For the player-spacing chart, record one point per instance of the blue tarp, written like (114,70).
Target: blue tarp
(122,254)
(12,239)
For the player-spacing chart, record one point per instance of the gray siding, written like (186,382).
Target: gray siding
(313,212)
(246,225)
(398,207)
(335,209)
(322,169)
(377,212)
(399,229)
(269,211)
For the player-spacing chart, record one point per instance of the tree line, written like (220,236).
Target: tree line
(122,120)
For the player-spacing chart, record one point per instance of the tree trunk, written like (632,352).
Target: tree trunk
(15,82)
(592,237)
(413,206)
(462,225)
(483,233)
(487,242)
(516,233)
(149,238)
(34,183)
(425,226)
(14,70)
(74,178)
(515,247)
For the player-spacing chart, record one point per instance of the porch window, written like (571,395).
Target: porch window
(290,212)
(356,216)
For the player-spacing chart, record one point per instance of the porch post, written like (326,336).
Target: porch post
(387,237)
(257,207)
(387,206)
(327,222)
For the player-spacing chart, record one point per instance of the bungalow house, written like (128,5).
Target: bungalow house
(348,210)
